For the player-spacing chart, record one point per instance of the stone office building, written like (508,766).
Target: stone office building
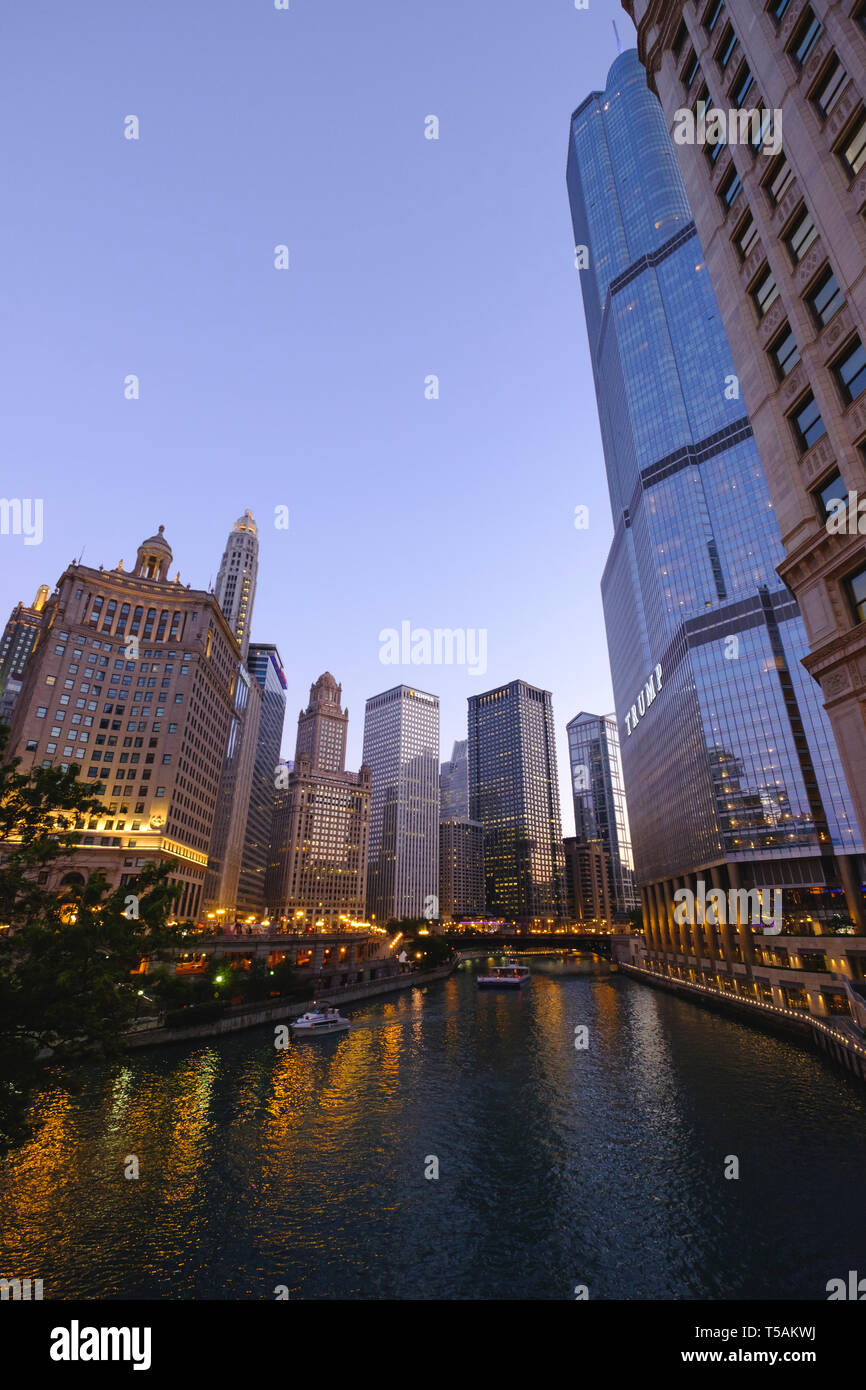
(131,681)
(322,821)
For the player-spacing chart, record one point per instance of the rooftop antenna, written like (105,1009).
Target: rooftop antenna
(616,32)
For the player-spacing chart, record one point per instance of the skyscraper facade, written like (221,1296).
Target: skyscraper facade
(235,593)
(782,222)
(233,803)
(236,580)
(321,824)
(588,882)
(19,638)
(729,762)
(514,794)
(266,668)
(461,869)
(132,681)
(454,784)
(599,799)
(401,748)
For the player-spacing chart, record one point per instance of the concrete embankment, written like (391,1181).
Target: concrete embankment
(254,1015)
(838,1041)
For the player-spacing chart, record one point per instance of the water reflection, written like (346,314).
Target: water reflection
(305,1166)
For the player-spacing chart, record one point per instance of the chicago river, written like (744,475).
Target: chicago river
(309,1172)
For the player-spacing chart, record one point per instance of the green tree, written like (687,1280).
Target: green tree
(66,991)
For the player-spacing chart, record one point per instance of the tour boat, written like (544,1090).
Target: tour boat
(511,975)
(319,1021)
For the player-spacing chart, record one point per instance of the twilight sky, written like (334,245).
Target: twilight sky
(305,388)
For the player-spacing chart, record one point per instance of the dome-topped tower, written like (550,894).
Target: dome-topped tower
(325,689)
(154,558)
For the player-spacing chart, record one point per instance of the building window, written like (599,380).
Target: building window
(856,587)
(711,15)
(851,150)
(680,38)
(826,299)
(778,9)
(829,87)
(807,423)
(726,47)
(767,123)
(691,70)
(764,292)
(784,352)
(833,490)
(41,712)
(850,371)
(742,86)
(731,188)
(715,149)
(746,237)
(859,15)
(778,180)
(803,232)
(806,35)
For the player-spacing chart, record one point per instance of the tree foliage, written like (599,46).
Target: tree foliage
(66,991)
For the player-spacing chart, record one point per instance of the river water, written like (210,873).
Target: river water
(304,1169)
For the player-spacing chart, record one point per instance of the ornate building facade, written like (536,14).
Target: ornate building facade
(132,680)
(321,823)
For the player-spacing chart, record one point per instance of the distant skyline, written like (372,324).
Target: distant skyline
(305,388)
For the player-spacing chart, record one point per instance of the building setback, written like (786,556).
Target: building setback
(321,823)
(730,767)
(131,680)
(255,885)
(780,212)
(514,794)
(599,799)
(401,748)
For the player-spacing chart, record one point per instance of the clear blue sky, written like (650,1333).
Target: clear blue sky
(305,388)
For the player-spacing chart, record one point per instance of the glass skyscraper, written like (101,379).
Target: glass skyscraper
(730,766)
(599,800)
(514,794)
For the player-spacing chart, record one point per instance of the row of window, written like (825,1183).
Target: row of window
(106,614)
(826,92)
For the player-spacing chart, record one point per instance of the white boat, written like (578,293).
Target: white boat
(511,975)
(319,1021)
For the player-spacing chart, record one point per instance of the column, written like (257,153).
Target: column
(744,931)
(851,884)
